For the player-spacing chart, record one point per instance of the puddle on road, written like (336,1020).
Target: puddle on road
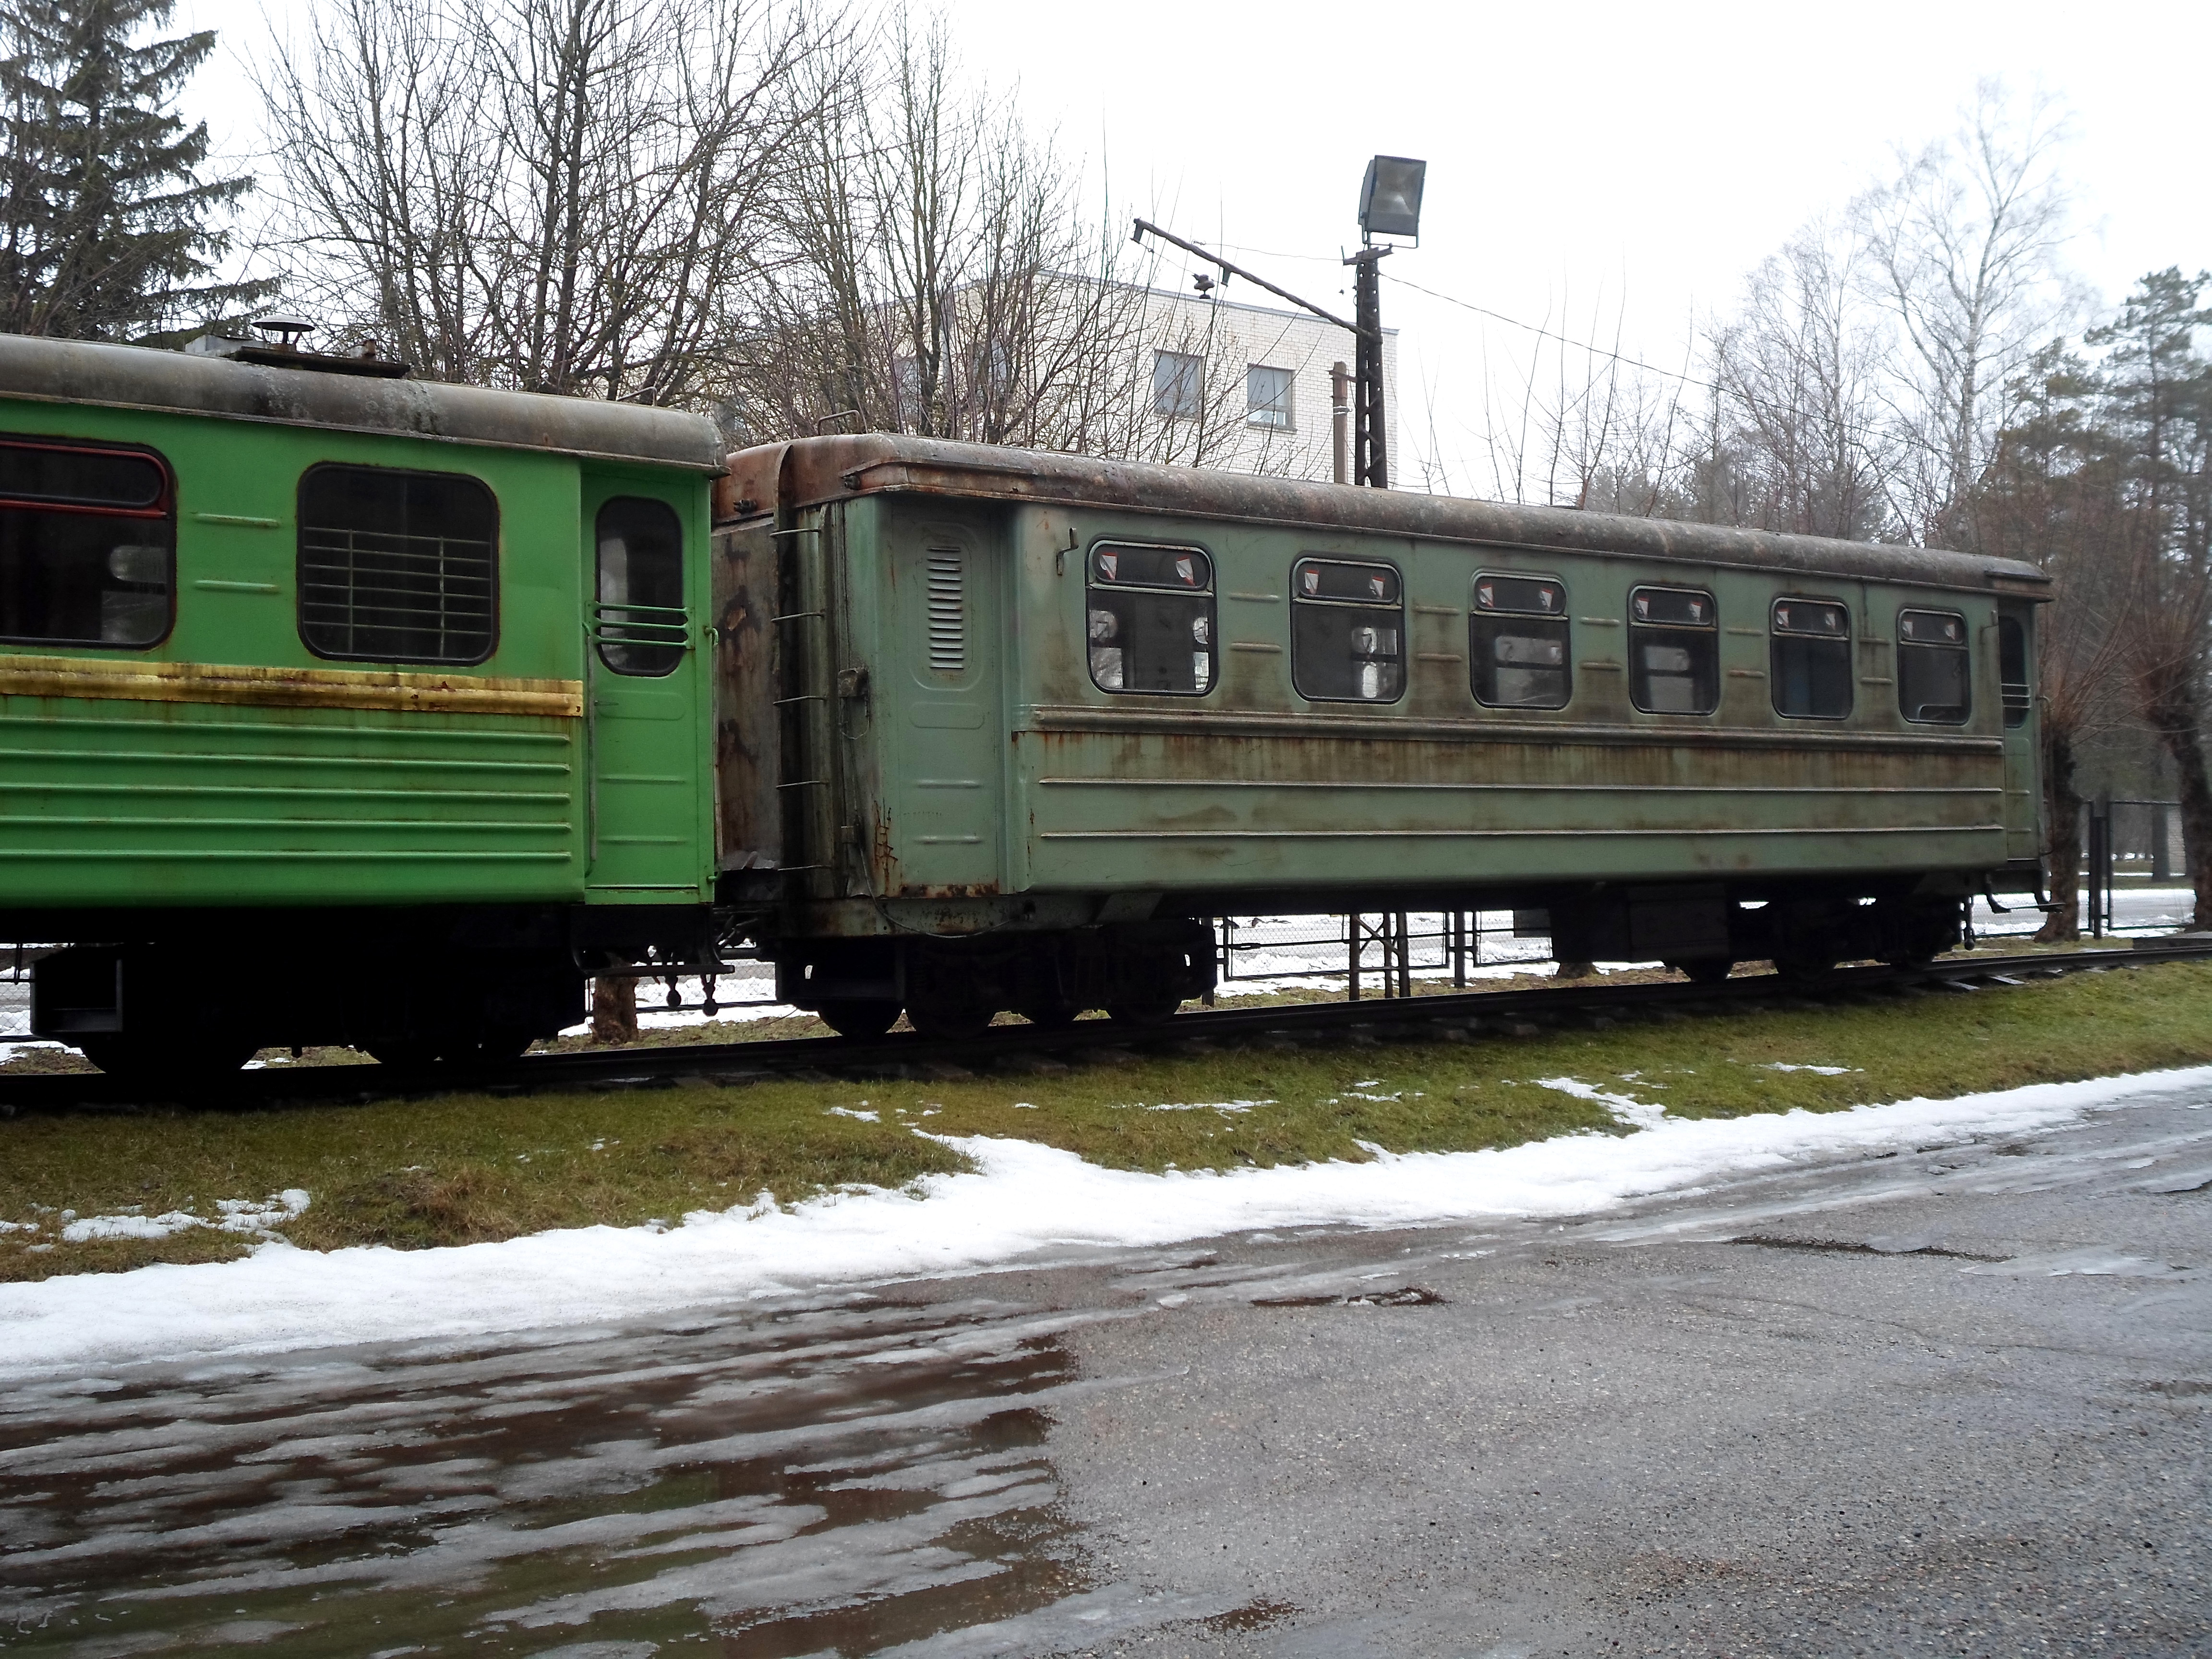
(829,1479)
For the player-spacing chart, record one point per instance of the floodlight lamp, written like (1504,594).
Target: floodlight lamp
(1390,196)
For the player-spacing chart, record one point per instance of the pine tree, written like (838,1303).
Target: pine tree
(2158,400)
(105,227)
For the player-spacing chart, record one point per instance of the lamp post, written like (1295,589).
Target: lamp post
(1389,205)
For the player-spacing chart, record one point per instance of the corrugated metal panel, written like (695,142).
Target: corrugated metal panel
(195,802)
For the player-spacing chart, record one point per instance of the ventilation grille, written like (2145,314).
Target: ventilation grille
(948,613)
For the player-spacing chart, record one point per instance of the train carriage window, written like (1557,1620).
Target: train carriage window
(2018,690)
(1933,686)
(1151,618)
(1347,631)
(1811,658)
(1517,643)
(640,623)
(1673,651)
(88,544)
(397,567)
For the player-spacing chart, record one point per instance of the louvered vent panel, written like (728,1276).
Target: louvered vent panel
(948,613)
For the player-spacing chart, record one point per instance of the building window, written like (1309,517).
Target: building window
(640,623)
(1673,651)
(397,567)
(1151,618)
(1268,398)
(1178,384)
(1347,631)
(88,544)
(1517,643)
(1933,687)
(2017,689)
(1810,654)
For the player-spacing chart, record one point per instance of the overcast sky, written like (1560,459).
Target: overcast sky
(1585,160)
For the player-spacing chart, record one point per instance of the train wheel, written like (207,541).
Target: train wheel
(1805,969)
(1144,1012)
(177,1061)
(408,1054)
(1052,1015)
(1704,970)
(948,1012)
(859,1019)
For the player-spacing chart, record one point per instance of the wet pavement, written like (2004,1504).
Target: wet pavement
(1954,1400)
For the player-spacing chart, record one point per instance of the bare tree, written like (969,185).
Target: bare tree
(1800,432)
(556,195)
(1963,249)
(935,272)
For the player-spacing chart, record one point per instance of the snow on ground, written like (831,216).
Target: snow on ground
(1025,1201)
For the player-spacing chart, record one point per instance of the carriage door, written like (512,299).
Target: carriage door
(2023,814)
(948,760)
(642,702)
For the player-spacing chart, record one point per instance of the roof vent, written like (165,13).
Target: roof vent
(281,350)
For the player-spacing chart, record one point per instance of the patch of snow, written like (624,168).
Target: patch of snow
(1642,1114)
(1820,1070)
(232,1215)
(1023,1201)
(847,1112)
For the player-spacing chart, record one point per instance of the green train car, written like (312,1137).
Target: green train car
(337,707)
(1037,718)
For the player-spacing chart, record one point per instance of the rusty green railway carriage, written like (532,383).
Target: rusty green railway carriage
(1038,717)
(340,708)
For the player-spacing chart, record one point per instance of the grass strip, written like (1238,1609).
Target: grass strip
(465,1167)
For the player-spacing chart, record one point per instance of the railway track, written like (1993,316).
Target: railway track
(1018,1050)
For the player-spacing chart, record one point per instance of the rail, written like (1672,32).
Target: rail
(1030,1048)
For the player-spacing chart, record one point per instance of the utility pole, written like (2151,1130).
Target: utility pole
(1340,419)
(1371,448)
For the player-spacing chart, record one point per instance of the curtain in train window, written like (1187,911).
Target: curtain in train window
(1517,643)
(1673,651)
(1934,685)
(1810,658)
(1151,619)
(640,624)
(1347,631)
(2018,690)
(397,567)
(88,544)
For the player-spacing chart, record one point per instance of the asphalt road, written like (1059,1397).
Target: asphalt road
(1954,1401)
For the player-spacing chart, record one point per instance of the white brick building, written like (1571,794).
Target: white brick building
(1262,377)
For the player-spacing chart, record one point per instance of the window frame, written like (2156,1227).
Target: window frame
(1709,630)
(300,596)
(1210,593)
(1287,405)
(1396,607)
(1964,648)
(679,646)
(162,511)
(2017,710)
(1776,634)
(1477,611)
(1192,375)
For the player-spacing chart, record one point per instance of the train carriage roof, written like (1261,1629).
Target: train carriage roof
(811,470)
(141,378)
